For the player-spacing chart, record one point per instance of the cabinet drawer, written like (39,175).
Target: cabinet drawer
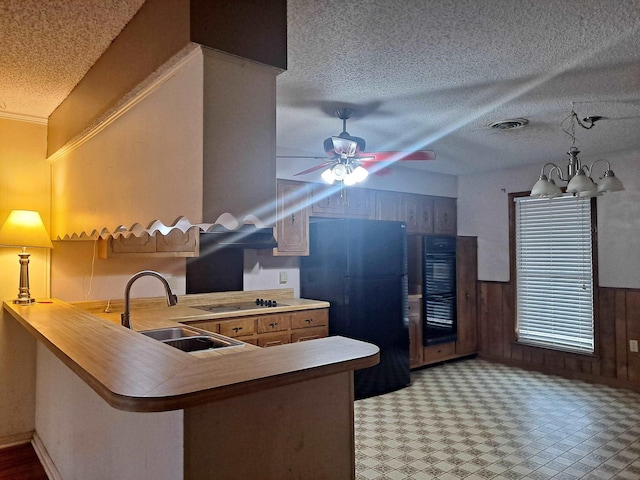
(238,327)
(309,318)
(273,339)
(209,326)
(435,353)
(302,335)
(273,323)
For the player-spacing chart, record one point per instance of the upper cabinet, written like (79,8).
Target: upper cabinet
(333,201)
(444,216)
(297,201)
(292,225)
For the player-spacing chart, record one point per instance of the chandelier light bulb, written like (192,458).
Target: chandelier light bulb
(327,176)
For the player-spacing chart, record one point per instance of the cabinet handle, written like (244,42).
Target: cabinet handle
(308,320)
(273,325)
(236,329)
(293,218)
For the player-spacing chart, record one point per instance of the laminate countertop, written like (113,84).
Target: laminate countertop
(136,373)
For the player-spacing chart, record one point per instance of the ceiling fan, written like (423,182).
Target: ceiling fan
(348,163)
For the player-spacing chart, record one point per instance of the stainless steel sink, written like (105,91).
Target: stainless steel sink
(173,333)
(190,339)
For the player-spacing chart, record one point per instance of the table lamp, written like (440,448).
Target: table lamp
(24,228)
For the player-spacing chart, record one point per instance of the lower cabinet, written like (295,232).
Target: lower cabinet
(272,329)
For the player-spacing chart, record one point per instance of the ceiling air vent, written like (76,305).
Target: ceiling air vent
(509,124)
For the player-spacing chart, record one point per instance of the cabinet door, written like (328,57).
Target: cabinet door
(425,215)
(359,203)
(292,226)
(273,339)
(444,216)
(415,333)
(466,277)
(305,334)
(410,212)
(388,206)
(327,201)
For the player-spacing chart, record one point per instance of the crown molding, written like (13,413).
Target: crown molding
(138,94)
(20,117)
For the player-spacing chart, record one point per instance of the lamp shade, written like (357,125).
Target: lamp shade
(24,228)
(545,188)
(581,183)
(610,183)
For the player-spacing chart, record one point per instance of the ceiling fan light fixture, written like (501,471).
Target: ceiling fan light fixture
(360,173)
(327,176)
(339,171)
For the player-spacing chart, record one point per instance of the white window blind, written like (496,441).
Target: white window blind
(554,272)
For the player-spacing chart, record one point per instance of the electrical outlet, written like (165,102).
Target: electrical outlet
(633,346)
(283,277)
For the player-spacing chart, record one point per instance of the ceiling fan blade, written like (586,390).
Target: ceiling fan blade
(313,169)
(300,156)
(403,156)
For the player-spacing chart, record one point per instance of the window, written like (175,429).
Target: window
(554,272)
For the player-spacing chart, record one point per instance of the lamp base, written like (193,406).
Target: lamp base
(24,301)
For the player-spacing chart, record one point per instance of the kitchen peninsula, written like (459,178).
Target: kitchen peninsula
(246,412)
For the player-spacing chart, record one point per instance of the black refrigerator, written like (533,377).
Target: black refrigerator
(360,267)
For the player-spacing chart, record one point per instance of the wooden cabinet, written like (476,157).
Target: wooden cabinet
(444,216)
(174,244)
(417,211)
(350,202)
(439,353)
(297,201)
(467,296)
(272,329)
(388,206)
(467,315)
(415,332)
(292,224)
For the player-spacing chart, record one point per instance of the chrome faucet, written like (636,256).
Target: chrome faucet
(171,298)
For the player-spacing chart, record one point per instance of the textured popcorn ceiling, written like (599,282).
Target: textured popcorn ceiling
(46,47)
(435,73)
(421,73)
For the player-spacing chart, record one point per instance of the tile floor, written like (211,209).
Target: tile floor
(474,419)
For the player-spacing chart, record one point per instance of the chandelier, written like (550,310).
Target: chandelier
(577,176)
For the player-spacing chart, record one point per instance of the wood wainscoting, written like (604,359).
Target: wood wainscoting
(618,311)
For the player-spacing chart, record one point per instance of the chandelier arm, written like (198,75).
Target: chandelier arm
(555,167)
(590,168)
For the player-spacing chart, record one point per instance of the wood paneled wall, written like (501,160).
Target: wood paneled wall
(618,321)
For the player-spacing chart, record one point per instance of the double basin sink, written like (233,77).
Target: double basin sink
(190,339)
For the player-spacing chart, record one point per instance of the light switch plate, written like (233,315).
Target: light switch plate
(633,346)
(283,277)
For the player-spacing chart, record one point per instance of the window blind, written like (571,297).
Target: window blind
(554,272)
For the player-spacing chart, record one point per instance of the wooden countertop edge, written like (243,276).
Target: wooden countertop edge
(192,380)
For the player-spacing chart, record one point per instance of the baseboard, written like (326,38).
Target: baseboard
(585,377)
(17,439)
(46,461)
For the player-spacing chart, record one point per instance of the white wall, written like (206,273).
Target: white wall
(483,212)
(88,439)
